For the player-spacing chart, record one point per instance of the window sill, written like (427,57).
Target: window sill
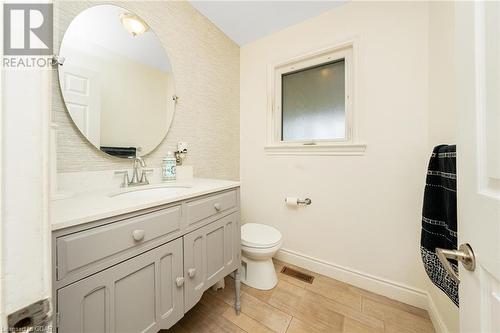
(339,149)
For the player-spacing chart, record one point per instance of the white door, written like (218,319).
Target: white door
(477,28)
(81,92)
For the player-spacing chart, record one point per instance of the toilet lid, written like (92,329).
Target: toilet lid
(259,235)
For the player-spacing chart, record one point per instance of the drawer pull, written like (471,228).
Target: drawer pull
(138,235)
(217,206)
(179,281)
(191,272)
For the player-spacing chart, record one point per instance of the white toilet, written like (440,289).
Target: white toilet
(259,243)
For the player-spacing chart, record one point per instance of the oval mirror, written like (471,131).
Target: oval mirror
(116,81)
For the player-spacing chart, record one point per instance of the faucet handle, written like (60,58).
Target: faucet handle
(144,175)
(126,180)
(139,161)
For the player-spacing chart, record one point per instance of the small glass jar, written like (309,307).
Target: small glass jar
(168,167)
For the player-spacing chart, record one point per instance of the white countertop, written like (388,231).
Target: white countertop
(94,205)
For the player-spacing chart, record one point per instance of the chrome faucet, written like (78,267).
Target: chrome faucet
(138,162)
(135,181)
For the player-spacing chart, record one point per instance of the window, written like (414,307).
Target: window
(313,103)
(311,106)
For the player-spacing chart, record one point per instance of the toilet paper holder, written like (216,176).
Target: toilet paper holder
(305,201)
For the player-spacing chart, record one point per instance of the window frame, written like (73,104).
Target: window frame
(349,145)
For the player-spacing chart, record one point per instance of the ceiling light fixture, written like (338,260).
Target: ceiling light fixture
(133,24)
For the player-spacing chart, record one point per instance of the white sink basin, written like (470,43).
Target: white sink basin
(148,190)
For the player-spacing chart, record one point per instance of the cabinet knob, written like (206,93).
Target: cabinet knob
(138,235)
(179,281)
(217,206)
(191,272)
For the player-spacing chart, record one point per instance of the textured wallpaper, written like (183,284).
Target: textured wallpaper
(206,71)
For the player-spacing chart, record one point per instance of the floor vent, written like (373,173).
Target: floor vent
(297,275)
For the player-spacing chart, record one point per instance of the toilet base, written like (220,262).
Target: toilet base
(258,274)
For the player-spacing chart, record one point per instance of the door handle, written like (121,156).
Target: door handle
(217,206)
(464,254)
(191,272)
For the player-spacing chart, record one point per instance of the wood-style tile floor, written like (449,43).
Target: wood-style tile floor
(293,306)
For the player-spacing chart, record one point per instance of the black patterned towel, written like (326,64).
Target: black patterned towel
(439,217)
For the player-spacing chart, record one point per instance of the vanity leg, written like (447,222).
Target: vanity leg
(237,304)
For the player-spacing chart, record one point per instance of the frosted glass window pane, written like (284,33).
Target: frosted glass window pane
(313,103)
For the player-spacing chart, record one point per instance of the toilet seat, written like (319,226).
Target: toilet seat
(259,236)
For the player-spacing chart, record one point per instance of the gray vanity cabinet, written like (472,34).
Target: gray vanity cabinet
(210,253)
(142,271)
(139,295)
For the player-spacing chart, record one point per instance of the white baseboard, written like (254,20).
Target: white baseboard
(436,318)
(381,286)
(359,279)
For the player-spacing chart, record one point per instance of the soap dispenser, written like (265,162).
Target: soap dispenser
(168,167)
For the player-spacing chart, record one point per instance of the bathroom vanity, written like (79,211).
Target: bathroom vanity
(136,260)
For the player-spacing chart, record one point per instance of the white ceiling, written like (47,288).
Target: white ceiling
(247,21)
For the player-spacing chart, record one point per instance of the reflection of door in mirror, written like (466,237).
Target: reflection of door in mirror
(81,90)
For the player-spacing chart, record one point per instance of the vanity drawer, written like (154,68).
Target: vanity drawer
(202,208)
(83,250)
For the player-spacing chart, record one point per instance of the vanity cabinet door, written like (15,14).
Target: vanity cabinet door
(143,294)
(210,253)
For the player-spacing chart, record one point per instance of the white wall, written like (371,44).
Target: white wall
(442,116)
(364,222)
(443,122)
